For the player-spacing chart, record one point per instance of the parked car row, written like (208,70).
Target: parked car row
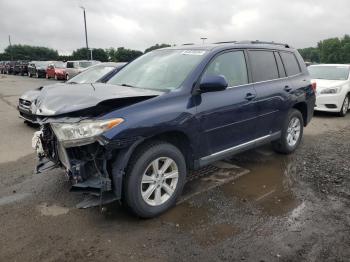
(14,67)
(50,69)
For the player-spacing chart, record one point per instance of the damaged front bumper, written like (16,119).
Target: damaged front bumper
(90,168)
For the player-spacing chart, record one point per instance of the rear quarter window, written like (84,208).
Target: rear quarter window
(290,63)
(263,65)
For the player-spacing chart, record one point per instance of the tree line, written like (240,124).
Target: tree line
(38,53)
(332,50)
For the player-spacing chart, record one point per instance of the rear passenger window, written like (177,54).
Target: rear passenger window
(290,63)
(264,65)
(232,65)
(281,71)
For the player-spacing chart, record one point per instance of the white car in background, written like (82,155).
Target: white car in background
(333,87)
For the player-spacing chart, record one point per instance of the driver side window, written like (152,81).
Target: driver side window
(232,66)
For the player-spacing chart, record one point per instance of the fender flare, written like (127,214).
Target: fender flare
(118,167)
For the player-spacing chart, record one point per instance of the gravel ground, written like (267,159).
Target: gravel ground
(286,208)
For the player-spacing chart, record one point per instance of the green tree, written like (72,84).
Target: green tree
(122,54)
(27,52)
(156,46)
(97,54)
(310,54)
(330,50)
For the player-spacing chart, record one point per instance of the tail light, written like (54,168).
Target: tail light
(313,86)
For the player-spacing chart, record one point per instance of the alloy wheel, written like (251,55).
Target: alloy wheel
(345,105)
(159,181)
(293,131)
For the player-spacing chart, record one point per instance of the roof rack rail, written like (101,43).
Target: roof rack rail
(263,42)
(226,42)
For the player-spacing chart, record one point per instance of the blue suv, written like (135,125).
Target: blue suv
(172,110)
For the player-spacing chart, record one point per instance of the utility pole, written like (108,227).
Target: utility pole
(86,37)
(11,55)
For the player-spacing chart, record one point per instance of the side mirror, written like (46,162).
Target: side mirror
(213,83)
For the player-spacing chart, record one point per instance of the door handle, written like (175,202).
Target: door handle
(287,88)
(250,96)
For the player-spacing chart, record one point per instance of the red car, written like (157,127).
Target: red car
(56,70)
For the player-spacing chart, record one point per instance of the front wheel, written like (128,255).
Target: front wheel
(292,132)
(344,109)
(155,178)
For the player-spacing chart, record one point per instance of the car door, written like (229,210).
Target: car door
(227,118)
(272,88)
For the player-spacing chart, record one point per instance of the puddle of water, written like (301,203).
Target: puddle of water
(12,198)
(268,185)
(53,210)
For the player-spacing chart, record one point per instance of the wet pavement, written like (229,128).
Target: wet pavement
(256,206)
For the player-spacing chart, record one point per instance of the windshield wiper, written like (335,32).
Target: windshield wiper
(127,85)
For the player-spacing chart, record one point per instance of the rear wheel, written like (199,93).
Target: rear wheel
(155,179)
(292,132)
(67,77)
(344,109)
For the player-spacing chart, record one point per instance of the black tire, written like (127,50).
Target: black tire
(281,145)
(344,111)
(139,162)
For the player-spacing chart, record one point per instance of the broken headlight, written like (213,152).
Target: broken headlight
(84,132)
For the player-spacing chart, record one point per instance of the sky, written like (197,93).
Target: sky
(138,24)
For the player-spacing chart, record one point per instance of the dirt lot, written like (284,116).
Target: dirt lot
(286,208)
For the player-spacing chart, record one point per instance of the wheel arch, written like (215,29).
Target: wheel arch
(120,162)
(302,107)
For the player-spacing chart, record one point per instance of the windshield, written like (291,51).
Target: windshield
(85,64)
(42,64)
(60,65)
(91,75)
(161,70)
(329,72)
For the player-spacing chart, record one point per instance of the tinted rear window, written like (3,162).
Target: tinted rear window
(263,65)
(70,65)
(290,63)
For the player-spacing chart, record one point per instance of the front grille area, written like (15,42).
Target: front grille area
(25,103)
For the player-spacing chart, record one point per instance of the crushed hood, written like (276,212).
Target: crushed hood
(70,98)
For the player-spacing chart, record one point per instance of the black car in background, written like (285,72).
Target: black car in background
(20,68)
(37,68)
(99,73)
(9,67)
